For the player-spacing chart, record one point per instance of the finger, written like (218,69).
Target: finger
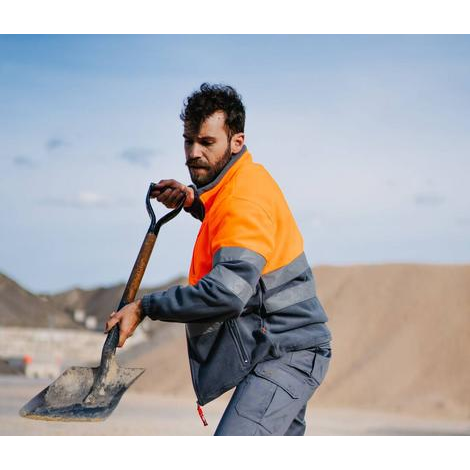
(168,197)
(123,335)
(158,188)
(111,322)
(175,198)
(164,194)
(179,186)
(166,183)
(114,319)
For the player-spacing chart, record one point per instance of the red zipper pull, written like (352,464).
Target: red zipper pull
(201,414)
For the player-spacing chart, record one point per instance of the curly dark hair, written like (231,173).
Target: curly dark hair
(211,98)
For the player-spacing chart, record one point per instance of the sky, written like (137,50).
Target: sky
(367,136)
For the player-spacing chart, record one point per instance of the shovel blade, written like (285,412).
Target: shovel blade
(64,399)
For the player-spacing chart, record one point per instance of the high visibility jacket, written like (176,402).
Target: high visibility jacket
(251,294)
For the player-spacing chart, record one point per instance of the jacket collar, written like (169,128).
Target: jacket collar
(221,176)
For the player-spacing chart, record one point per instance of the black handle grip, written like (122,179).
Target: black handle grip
(154,224)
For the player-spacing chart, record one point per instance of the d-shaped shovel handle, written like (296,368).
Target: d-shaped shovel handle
(137,273)
(143,257)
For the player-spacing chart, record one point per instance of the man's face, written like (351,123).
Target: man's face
(207,151)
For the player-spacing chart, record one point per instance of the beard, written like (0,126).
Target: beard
(209,173)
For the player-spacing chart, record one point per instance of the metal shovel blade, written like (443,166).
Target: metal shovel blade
(66,398)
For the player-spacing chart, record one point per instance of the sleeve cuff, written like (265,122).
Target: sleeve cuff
(149,308)
(197,208)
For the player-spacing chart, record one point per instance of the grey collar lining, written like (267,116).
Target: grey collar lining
(227,167)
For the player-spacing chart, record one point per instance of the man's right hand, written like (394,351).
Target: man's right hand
(170,193)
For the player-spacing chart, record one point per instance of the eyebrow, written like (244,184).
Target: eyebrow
(204,137)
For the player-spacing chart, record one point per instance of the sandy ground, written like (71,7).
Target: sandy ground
(150,414)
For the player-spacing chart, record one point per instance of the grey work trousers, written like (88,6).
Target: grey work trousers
(272,399)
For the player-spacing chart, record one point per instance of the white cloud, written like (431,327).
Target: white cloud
(84,199)
(92,199)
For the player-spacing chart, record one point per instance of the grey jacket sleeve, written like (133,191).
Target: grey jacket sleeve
(221,294)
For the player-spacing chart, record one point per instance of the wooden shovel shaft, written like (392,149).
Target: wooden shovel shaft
(133,283)
(138,270)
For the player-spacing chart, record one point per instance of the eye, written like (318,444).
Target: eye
(188,142)
(206,143)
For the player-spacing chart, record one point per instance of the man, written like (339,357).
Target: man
(253,320)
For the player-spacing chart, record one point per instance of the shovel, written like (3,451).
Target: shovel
(92,393)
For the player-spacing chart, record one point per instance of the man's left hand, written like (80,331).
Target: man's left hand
(128,318)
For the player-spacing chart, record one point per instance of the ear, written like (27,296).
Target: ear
(237,142)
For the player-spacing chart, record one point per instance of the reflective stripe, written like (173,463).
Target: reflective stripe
(198,329)
(235,253)
(232,281)
(290,296)
(286,273)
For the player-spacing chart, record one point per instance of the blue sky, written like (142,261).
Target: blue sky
(368,136)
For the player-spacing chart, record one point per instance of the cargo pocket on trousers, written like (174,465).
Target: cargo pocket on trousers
(261,387)
(320,366)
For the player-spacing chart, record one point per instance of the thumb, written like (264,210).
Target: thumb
(111,322)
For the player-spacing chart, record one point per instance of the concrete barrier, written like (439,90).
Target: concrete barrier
(49,351)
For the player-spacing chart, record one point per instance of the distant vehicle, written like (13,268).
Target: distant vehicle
(12,365)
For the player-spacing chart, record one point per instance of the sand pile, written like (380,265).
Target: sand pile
(401,341)
(102,301)
(19,307)
(401,338)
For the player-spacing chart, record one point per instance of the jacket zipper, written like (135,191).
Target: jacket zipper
(262,308)
(199,407)
(238,342)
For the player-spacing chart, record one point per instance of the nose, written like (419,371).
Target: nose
(195,151)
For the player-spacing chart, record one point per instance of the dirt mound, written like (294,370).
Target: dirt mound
(102,301)
(401,338)
(18,307)
(401,341)
(167,366)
